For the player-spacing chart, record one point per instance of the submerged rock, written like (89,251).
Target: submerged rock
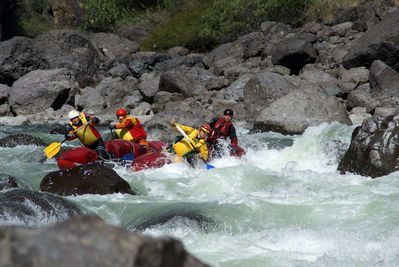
(7,182)
(28,207)
(85,179)
(20,139)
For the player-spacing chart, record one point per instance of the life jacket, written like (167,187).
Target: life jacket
(89,135)
(184,149)
(133,132)
(222,130)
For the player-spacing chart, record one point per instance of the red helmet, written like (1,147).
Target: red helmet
(206,127)
(121,111)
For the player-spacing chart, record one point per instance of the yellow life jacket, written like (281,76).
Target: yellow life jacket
(183,147)
(124,134)
(87,136)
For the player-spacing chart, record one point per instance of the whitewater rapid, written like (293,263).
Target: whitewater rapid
(282,204)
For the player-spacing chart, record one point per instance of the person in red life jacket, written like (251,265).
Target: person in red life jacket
(130,128)
(222,128)
(88,136)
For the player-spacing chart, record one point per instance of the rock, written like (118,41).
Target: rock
(264,88)
(380,42)
(17,58)
(88,241)
(374,148)
(85,179)
(294,112)
(294,54)
(20,140)
(383,79)
(7,182)
(41,89)
(28,207)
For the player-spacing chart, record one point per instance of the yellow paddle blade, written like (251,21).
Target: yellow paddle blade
(52,149)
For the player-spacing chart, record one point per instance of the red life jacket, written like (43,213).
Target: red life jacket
(222,130)
(138,131)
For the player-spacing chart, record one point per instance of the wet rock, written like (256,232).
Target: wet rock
(20,139)
(28,207)
(7,182)
(89,241)
(374,148)
(85,179)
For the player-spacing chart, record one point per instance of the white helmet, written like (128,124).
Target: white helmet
(72,114)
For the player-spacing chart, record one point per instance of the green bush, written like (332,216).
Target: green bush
(202,26)
(182,30)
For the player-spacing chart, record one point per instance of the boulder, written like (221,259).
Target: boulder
(301,108)
(17,58)
(374,149)
(293,53)
(89,241)
(85,179)
(28,207)
(380,42)
(264,88)
(7,182)
(19,140)
(383,79)
(41,89)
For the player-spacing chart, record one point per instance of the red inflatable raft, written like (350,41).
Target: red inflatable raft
(120,148)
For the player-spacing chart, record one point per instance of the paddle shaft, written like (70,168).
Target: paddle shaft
(188,139)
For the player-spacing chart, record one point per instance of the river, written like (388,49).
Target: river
(283,204)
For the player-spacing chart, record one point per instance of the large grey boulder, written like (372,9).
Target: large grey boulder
(374,149)
(383,79)
(41,89)
(381,42)
(264,88)
(17,58)
(293,53)
(301,108)
(89,241)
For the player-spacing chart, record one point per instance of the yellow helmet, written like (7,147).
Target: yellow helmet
(72,114)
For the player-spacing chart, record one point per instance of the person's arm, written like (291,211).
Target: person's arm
(233,137)
(93,120)
(128,123)
(186,129)
(69,136)
(213,121)
(203,151)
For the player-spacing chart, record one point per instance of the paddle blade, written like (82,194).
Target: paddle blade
(208,166)
(52,149)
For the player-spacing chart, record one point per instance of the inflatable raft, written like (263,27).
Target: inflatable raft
(121,149)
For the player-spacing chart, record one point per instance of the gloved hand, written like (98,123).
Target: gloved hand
(112,127)
(95,120)
(69,135)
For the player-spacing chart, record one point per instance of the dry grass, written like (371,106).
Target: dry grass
(326,10)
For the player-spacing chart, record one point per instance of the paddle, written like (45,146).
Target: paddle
(54,148)
(208,166)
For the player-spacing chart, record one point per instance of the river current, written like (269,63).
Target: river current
(282,204)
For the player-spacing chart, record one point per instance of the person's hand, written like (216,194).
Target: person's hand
(95,120)
(69,135)
(112,127)
(173,121)
(200,155)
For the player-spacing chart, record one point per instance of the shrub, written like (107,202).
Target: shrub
(182,30)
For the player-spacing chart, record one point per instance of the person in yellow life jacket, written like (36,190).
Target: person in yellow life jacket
(183,148)
(130,129)
(88,136)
